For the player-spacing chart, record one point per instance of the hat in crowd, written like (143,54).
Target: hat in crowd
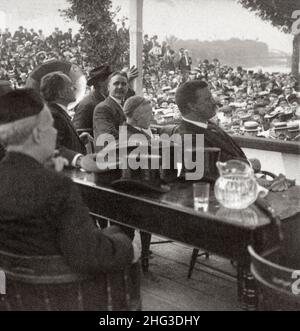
(225,109)
(272,114)
(10,114)
(246,117)
(293,127)
(280,126)
(142,179)
(41,53)
(5,87)
(251,126)
(102,72)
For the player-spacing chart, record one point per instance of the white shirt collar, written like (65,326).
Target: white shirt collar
(65,108)
(200,124)
(119,102)
(147,131)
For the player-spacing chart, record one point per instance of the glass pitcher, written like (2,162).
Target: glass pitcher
(237,188)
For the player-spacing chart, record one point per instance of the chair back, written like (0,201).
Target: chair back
(48,283)
(277,284)
(211,155)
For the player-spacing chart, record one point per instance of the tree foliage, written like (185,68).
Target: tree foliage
(277,12)
(101,40)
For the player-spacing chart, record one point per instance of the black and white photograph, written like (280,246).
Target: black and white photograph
(150,157)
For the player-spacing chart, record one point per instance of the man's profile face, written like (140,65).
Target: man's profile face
(118,87)
(48,133)
(69,90)
(205,105)
(144,116)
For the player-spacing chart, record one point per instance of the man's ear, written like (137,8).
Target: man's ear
(135,116)
(61,93)
(191,107)
(36,135)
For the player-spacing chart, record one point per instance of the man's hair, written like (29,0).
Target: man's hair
(186,94)
(134,103)
(118,73)
(23,101)
(52,84)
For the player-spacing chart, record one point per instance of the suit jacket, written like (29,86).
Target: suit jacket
(131,130)
(84,112)
(108,116)
(214,137)
(42,213)
(68,141)
(185,64)
(2,152)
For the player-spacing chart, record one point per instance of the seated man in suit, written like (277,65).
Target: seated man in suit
(58,91)
(109,115)
(197,107)
(98,80)
(84,111)
(41,211)
(138,112)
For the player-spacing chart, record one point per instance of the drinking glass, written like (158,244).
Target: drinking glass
(201,196)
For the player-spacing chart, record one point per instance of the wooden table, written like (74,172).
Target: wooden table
(221,231)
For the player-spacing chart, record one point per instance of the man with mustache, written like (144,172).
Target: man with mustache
(197,108)
(109,115)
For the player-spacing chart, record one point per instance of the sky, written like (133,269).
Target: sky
(207,20)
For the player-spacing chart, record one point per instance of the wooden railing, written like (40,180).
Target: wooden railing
(287,147)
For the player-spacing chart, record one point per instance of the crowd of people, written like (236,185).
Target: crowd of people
(42,213)
(250,103)
(23,50)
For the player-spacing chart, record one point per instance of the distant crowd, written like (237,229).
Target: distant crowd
(250,103)
(23,50)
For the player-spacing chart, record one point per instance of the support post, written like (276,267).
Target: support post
(136,42)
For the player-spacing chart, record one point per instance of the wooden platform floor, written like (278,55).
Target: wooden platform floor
(167,288)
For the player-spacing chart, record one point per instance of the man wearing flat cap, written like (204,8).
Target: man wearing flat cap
(98,79)
(41,211)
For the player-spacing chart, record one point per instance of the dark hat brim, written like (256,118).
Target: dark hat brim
(133,184)
(98,74)
(93,80)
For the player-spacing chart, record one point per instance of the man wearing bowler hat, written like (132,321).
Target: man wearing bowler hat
(98,79)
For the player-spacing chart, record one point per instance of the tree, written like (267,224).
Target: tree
(279,13)
(101,40)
